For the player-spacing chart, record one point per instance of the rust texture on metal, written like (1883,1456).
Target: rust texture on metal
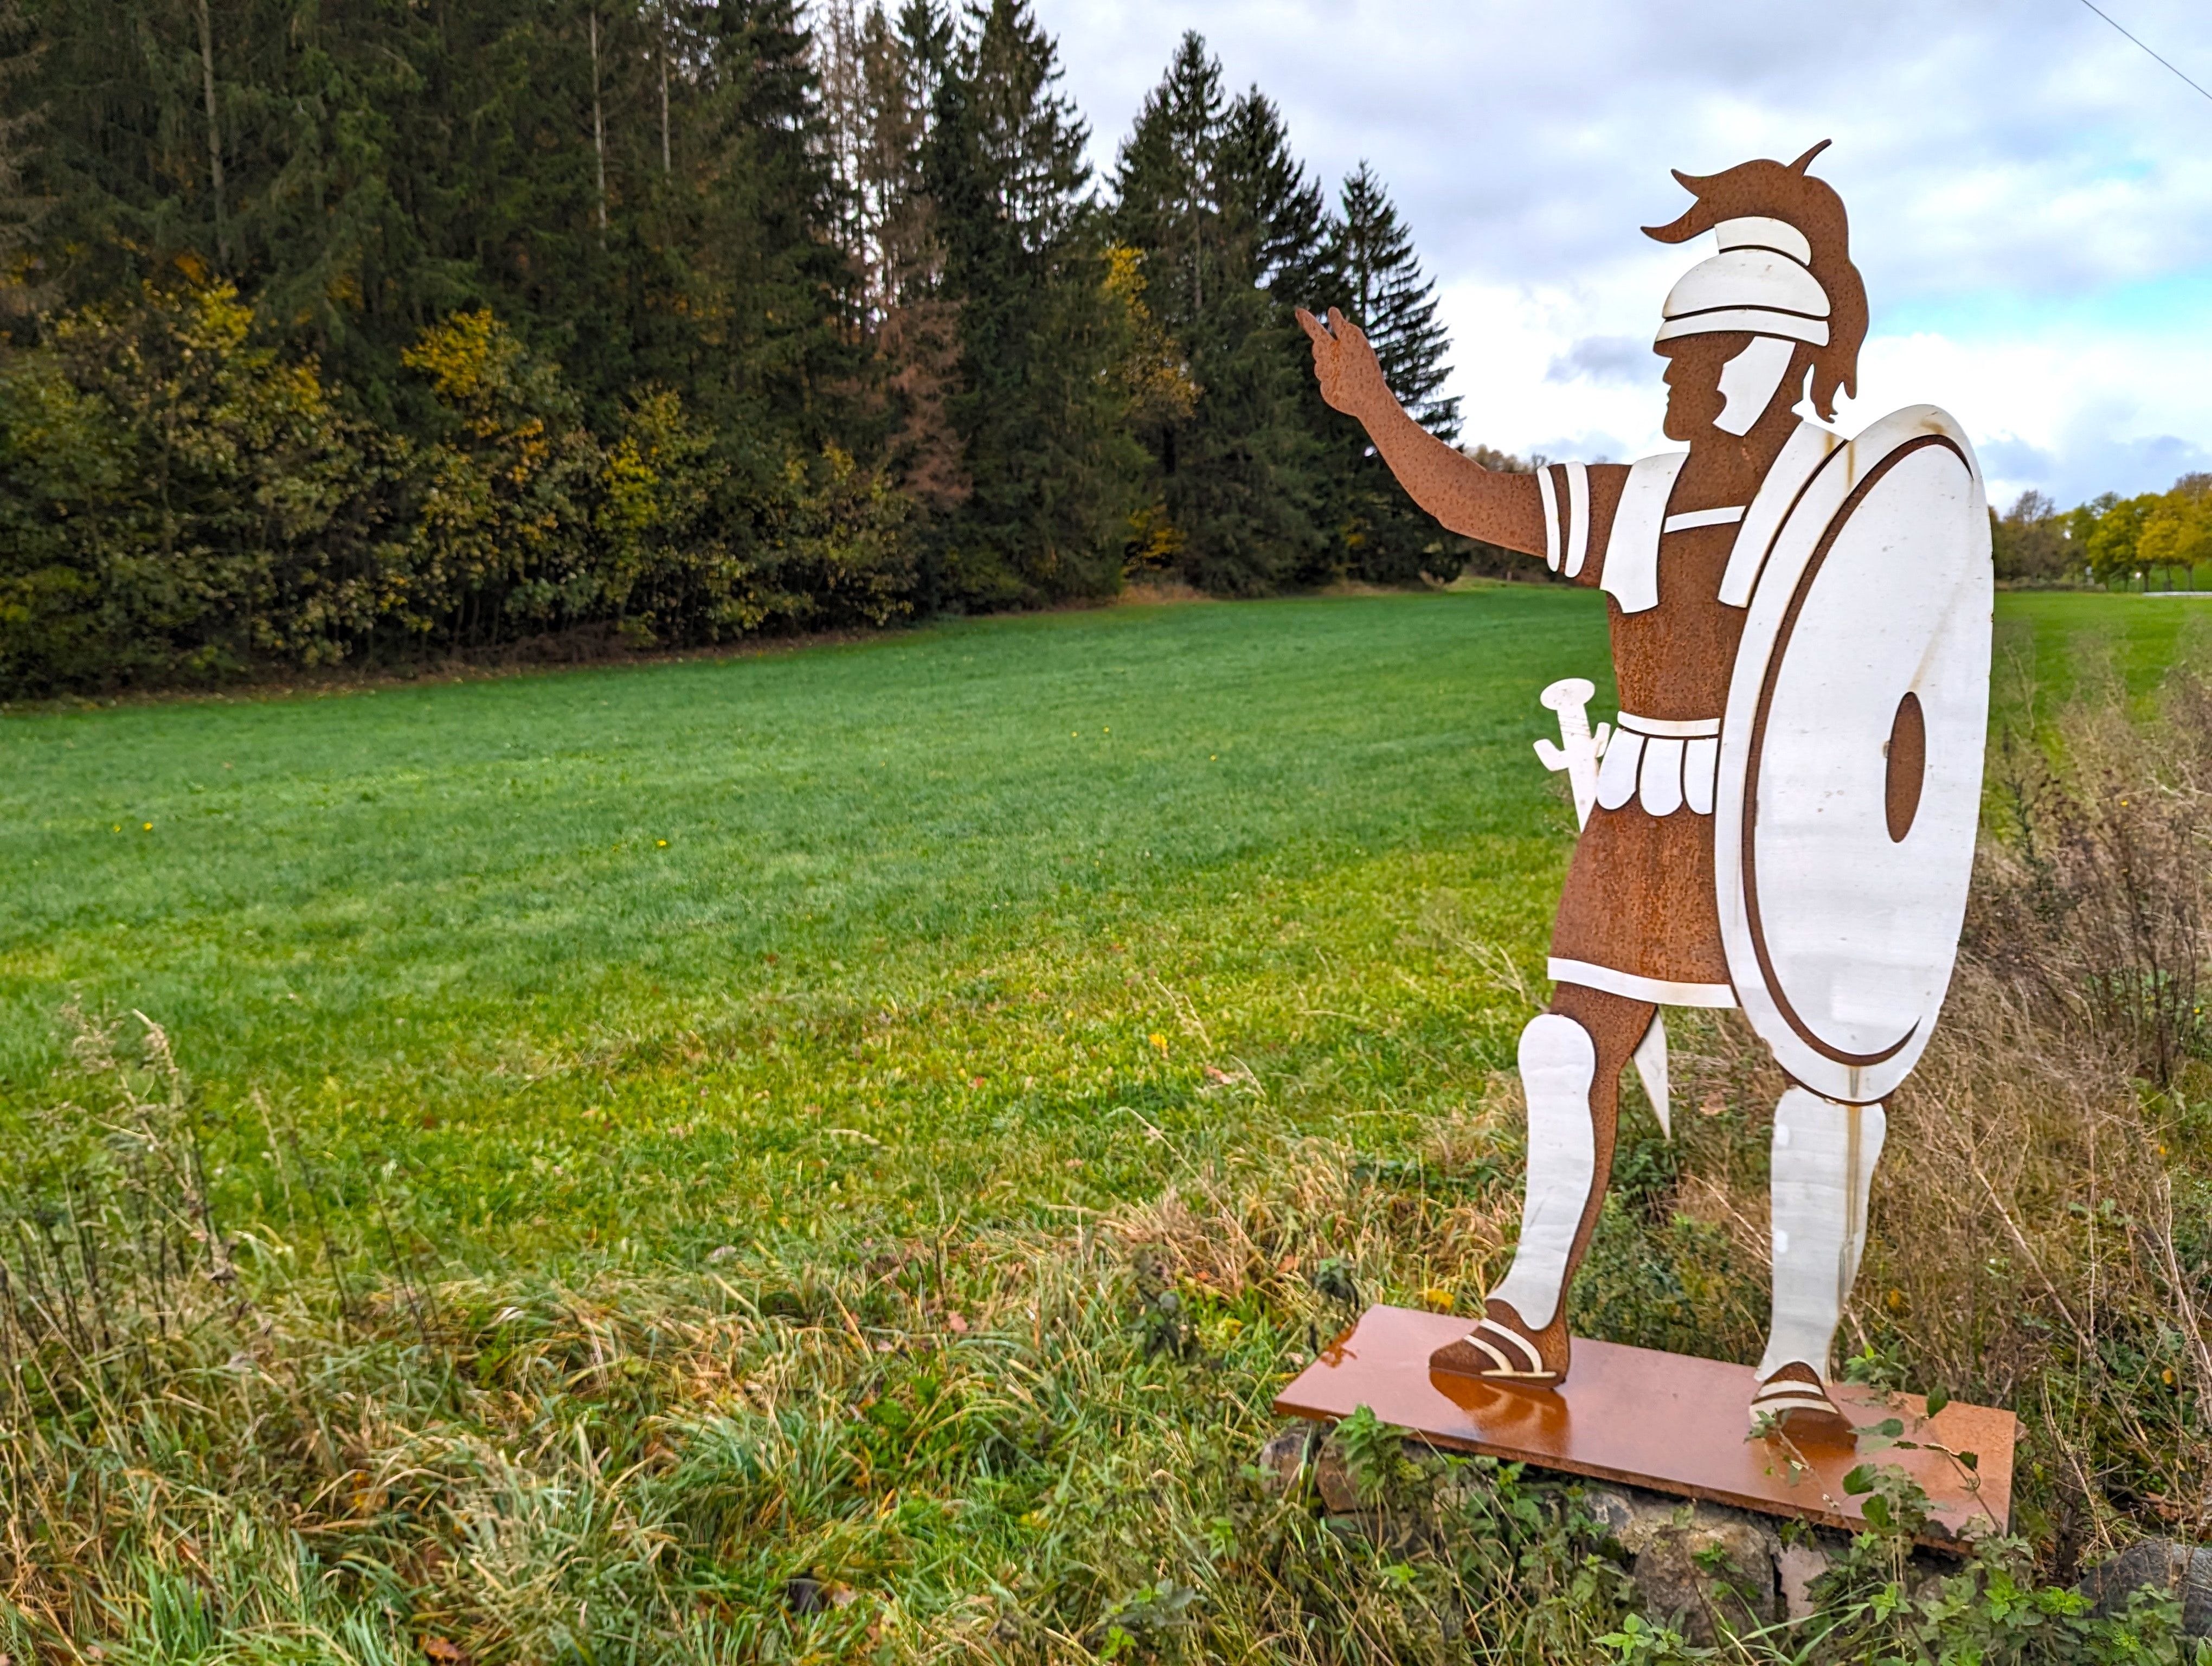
(1661,1421)
(1781,815)
(1639,893)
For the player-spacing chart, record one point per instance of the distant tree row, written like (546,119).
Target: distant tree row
(364,330)
(2158,538)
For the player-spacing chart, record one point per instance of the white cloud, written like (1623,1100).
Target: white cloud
(2009,171)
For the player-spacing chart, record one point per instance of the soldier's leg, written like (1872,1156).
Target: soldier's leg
(1823,1157)
(1571,1058)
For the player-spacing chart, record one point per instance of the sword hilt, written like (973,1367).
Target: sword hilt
(1577,750)
(1568,694)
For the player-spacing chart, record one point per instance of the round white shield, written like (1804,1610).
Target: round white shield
(1850,767)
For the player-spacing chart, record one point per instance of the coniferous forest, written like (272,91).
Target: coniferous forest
(350,331)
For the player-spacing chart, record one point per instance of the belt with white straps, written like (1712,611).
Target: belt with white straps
(1663,762)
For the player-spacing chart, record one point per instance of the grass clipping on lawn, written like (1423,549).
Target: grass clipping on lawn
(224,1438)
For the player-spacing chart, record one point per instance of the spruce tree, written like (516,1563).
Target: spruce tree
(918,336)
(1386,538)
(1042,420)
(1164,187)
(791,268)
(1209,195)
(1387,294)
(777,285)
(1270,200)
(22,292)
(880,80)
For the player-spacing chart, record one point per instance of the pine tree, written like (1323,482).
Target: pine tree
(1042,418)
(1269,199)
(1164,188)
(1387,295)
(22,289)
(1386,538)
(1209,194)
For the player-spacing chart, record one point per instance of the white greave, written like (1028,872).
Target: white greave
(1823,1168)
(1558,1062)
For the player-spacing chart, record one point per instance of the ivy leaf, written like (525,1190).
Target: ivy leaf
(1876,1510)
(1861,1479)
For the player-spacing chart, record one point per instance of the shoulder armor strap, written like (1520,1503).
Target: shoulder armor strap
(1631,553)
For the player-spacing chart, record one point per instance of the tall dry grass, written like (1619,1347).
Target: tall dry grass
(2042,1225)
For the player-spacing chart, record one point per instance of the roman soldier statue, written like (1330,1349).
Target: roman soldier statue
(1781,816)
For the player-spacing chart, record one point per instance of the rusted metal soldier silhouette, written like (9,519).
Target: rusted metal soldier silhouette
(1679,894)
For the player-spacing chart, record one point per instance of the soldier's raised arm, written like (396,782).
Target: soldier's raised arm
(1514,510)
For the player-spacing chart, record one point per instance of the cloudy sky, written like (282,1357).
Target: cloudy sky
(2031,196)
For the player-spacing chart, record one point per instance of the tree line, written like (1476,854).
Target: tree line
(348,330)
(2157,540)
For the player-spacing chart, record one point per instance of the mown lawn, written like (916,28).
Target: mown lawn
(2049,641)
(613,952)
(886,1116)
(609,954)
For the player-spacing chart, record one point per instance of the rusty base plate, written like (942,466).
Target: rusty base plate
(1661,1421)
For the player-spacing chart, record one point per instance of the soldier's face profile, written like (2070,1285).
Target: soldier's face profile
(1697,381)
(1694,399)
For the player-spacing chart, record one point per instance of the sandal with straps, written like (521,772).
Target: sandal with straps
(1498,1350)
(1794,1399)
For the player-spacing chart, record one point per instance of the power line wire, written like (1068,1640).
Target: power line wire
(2124,29)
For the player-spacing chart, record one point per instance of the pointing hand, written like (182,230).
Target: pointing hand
(1351,376)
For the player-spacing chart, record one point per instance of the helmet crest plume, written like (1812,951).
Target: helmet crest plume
(1785,191)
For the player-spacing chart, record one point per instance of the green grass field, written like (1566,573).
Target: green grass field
(729,974)
(607,952)
(2048,641)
